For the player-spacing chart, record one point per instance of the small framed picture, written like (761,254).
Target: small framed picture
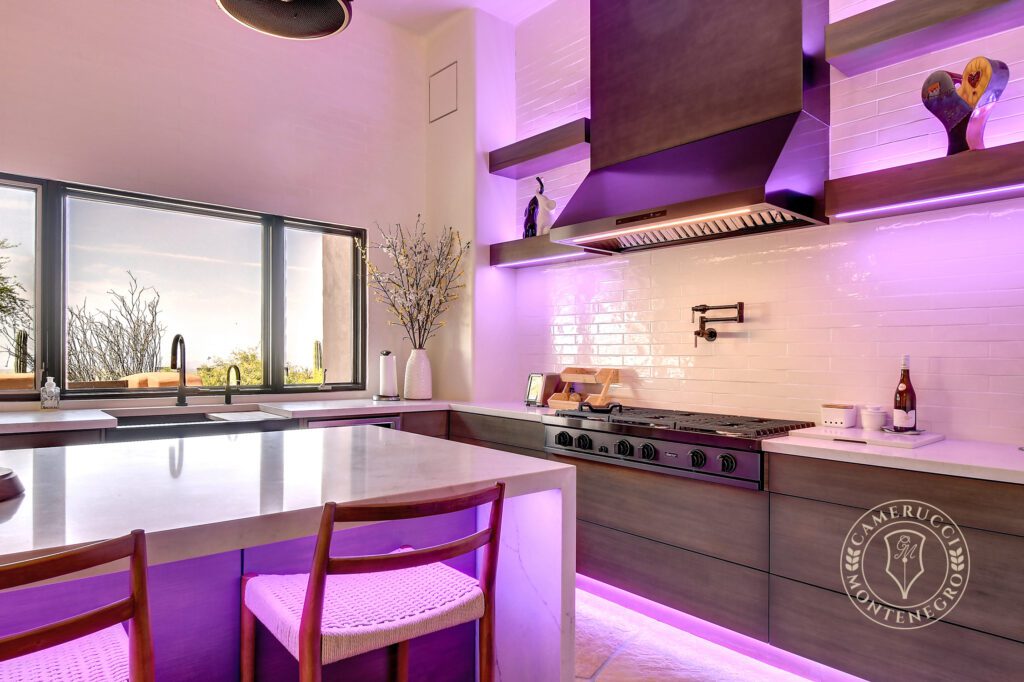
(534,386)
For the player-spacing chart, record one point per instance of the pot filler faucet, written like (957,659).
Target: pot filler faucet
(709,333)
(177,341)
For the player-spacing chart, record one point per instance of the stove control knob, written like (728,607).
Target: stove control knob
(728,463)
(698,459)
(563,439)
(583,442)
(624,448)
(648,452)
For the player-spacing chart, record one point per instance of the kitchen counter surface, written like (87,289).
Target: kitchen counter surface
(36,421)
(511,410)
(210,496)
(311,409)
(40,421)
(966,458)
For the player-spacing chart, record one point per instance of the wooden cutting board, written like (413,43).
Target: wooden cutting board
(895,440)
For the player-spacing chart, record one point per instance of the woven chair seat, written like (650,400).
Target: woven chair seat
(367,611)
(100,656)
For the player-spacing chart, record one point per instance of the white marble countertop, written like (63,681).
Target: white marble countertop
(199,496)
(35,421)
(311,409)
(967,458)
(512,410)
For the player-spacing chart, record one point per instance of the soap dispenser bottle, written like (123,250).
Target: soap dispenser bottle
(49,395)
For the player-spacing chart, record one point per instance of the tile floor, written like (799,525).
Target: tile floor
(615,644)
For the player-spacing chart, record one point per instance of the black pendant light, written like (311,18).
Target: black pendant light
(295,19)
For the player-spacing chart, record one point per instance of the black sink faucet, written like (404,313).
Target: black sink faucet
(227,387)
(177,341)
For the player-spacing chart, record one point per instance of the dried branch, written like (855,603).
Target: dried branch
(424,281)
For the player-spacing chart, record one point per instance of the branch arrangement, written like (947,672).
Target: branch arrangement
(424,280)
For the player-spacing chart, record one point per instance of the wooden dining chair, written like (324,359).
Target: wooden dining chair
(91,645)
(350,605)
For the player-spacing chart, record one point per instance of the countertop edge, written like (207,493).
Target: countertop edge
(904,459)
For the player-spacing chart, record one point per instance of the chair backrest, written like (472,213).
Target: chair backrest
(324,564)
(134,608)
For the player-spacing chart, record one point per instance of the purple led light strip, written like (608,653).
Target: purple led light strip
(748,646)
(545,259)
(928,202)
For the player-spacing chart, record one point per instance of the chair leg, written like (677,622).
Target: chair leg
(248,639)
(486,637)
(398,662)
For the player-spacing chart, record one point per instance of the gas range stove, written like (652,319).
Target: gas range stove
(712,447)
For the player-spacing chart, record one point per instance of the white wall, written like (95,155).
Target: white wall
(830,309)
(176,99)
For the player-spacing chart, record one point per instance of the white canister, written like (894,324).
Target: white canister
(388,375)
(873,417)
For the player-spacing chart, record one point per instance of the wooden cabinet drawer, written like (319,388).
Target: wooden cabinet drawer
(504,448)
(824,626)
(713,519)
(807,543)
(520,433)
(988,505)
(50,439)
(730,595)
(426,423)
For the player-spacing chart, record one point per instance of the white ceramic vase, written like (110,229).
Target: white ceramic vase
(418,380)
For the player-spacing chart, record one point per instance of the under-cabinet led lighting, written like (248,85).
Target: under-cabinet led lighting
(919,203)
(662,224)
(545,259)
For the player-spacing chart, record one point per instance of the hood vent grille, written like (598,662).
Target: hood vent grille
(703,228)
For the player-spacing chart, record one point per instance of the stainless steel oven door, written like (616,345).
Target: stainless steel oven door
(387,422)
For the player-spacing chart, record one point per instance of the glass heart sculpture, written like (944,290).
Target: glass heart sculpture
(963,102)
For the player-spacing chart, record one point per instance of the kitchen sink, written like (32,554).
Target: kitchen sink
(185,424)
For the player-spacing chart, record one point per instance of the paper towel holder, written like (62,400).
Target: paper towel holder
(388,377)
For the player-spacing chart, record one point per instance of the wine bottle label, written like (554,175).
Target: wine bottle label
(904,419)
(901,387)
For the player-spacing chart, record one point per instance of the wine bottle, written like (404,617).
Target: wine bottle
(904,414)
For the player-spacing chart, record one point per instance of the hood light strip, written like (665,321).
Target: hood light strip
(657,226)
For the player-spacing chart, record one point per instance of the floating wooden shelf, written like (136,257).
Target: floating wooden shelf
(523,253)
(970,177)
(553,148)
(903,29)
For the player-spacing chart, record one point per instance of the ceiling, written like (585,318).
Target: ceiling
(422,15)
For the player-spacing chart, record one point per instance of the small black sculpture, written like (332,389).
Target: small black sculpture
(530,214)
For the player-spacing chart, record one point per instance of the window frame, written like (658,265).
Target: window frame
(39,187)
(51,301)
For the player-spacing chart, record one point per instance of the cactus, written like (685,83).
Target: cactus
(21,351)
(318,356)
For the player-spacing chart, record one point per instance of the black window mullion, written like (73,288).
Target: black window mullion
(273,301)
(359,305)
(52,294)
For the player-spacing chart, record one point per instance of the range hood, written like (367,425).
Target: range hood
(709,120)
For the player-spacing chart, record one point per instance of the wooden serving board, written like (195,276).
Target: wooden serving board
(894,440)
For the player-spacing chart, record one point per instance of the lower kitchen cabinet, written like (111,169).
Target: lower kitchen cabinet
(807,542)
(519,436)
(717,520)
(824,626)
(733,596)
(434,423)
(813,505)
(50,439)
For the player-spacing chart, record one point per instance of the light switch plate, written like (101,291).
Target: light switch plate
(444,92)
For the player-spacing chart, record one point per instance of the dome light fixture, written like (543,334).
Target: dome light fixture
(293,19)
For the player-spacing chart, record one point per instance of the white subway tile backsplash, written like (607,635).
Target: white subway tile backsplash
(829,309)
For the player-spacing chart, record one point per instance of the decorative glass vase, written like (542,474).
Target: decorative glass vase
(418,380)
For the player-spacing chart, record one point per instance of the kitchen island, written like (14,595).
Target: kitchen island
(217,507)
